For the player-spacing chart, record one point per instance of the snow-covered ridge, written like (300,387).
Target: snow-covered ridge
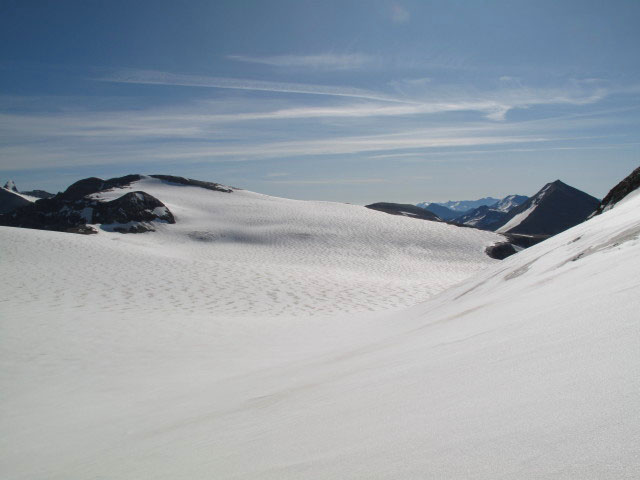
(518,218)
(509,202)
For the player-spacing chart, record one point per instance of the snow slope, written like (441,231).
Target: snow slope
(243,253)
(530,369)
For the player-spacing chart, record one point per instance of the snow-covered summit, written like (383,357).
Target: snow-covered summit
(509,202)
(10,185)
(466,205)
(474,213)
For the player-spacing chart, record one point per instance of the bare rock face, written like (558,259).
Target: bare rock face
(500,250)
(131,213)
(621,190)
(91,185)
(193,183)
(73,211)
(405,210)
(10,200)
(38,193)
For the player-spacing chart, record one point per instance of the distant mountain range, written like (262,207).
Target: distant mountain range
(463,211)
(525,221)
(462,205)
(555,208)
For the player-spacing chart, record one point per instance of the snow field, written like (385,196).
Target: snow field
(240,254)
(529,369)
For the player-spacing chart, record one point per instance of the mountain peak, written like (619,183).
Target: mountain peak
(556,207)
(10,185)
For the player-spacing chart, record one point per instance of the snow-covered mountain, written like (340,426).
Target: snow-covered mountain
(189,352)
(556,207)
(509,202)
(484,218)
(490,217)
(466,205)
(464,213)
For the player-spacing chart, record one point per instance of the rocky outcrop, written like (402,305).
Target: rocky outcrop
(38,193)
(621,190)
(406,210)
(131,213)
(87,186)
(193,183)
(500,250)
(74,211)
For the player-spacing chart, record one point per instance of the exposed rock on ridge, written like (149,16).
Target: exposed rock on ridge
(74,211)
(621,190)
(406,210)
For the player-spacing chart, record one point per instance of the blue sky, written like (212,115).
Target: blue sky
(351,101)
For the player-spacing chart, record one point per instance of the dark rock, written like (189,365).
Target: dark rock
(525,241)
(555,208)
(405,210)
(500,250)
(131,213)
(193,183)
(10,201)
(39,194)
(91,185)
(621,190)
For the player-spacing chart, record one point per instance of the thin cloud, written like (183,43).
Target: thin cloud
(324,61)
(150,77)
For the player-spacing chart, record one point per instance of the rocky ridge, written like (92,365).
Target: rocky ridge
(75,211)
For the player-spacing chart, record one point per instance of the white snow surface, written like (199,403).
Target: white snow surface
(517,219)
(114,366)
